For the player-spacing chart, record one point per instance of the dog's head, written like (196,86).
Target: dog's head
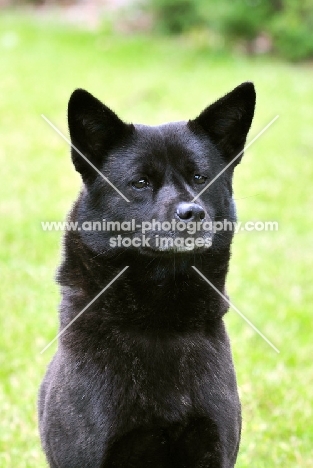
(160,189)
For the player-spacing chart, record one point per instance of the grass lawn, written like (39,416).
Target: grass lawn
(154,80)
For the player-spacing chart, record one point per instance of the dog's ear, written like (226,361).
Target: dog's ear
(94,130)
(228,120)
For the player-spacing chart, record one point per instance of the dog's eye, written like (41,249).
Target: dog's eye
(199,179)
(140,183)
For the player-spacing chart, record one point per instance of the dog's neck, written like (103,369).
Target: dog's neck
(154,291)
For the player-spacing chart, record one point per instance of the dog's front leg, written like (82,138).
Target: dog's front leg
(200,446)
(140,448)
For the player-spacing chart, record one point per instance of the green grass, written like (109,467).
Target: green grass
(154,80)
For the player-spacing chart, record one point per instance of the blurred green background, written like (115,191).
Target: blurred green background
(154,62)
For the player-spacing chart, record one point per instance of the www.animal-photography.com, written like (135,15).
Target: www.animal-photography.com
(156,234)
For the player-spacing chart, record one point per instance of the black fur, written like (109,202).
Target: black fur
(144,377)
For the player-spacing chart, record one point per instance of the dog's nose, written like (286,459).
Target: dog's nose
(190,212)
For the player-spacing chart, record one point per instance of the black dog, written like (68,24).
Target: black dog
(144,376)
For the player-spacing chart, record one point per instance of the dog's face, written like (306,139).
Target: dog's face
(163,171)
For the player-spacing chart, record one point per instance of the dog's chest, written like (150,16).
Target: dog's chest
(163,379)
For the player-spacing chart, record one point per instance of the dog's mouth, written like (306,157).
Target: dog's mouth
(170,252)
(180,244)
(167,243)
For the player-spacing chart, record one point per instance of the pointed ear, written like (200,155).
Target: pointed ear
(94,130)
(228,120)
